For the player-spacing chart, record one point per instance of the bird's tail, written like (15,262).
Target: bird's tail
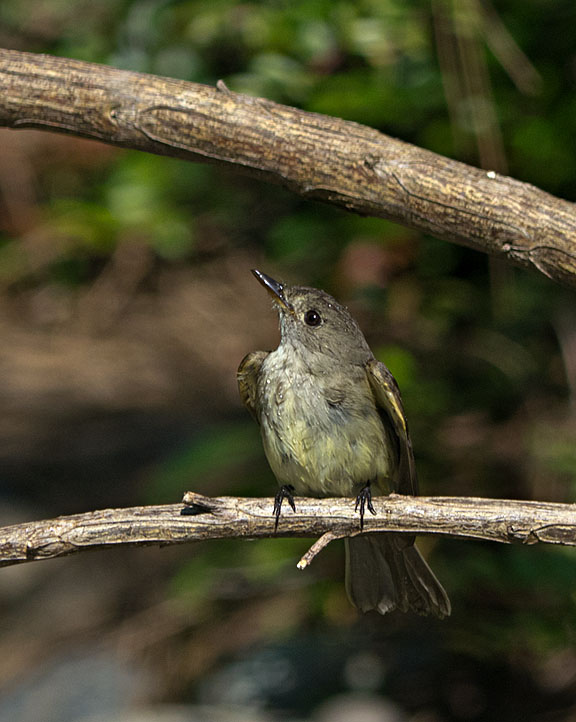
(386,572)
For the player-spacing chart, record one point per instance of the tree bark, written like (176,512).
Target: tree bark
(524,522)
(319,157)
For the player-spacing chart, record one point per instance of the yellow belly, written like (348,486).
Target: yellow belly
(322,433)
(337,461)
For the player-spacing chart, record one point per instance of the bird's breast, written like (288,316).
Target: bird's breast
(321,432)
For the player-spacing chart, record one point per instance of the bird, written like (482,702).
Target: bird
(333,425)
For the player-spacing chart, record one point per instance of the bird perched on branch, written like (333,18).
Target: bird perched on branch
(332,424)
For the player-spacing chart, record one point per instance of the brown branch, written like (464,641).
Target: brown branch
(317,156)
(499,520)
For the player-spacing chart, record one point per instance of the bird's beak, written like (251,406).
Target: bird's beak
(274,288)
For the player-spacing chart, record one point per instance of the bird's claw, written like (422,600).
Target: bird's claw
(285,492)
(364,501)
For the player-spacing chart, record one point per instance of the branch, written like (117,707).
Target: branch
(525,522)
(320,157)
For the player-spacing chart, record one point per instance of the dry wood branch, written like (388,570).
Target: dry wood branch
(317,156)
(230,517)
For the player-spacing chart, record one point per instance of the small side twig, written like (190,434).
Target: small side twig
(316,548)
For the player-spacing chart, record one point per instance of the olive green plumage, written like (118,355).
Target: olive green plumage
(332,422)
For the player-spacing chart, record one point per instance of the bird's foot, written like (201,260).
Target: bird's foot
(285,492)
(364,501)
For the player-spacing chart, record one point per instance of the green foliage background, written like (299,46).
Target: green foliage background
(484,355)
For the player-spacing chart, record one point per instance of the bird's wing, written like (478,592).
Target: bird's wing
(247,377)
(387,395)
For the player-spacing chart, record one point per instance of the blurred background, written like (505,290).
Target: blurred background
(126,305)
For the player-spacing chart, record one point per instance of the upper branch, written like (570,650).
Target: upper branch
(230,517)
(317,156)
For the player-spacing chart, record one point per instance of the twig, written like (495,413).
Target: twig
(525,522)
(317,547)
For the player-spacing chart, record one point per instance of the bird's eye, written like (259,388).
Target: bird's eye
(312,318)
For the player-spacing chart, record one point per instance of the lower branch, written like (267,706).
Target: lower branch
(525,522)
